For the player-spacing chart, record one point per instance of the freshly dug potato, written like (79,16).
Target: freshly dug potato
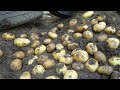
(59,46)
(47,41)
(16,65)
(114,60)
(52,77)
(34,36)
(8,36)
(77,35)
(60,26)
(77,66)
(81,56)
(50,47)
(88,14)
(100,57)
(61,68)
(73,22)
(94,21)
(40,49)
(101,17)
(35,43)
(52,35)
(105,70)
(70,74)
(72,46)
(66,43)
(91,48)
(1,53)
(70,31)
(30,51)
(38,69)
(41,59)
(65,37)
(23,36)
(102,38)
(113,43)
(115,75)
(92,65)
(19,55)
(110,30)
(82,28)
(48,64)
(75,50)
(32,60)
(54,30)
(87,35)
(21,42)
(25,75)
(118,33)
(99,27)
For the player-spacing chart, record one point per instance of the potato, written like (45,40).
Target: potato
(102,38)
(118,33)
(38,69)
(40,50)
(52,35)
(110,30)
(82,28)
(88,14)
(52,77)
(60,26)
(72,46)
(59,46)
(114,60)
(101,17)
(81,56)
(47,41)
(54,30)
(25,75)
(87,35)
(91,48)
(19,55)
(100,57)
(115,75)
(23,36)
(77,66)
(66,43)
(8,36)
(113,43)
(16,65)
(99,27)
(73,22)
(50,47)
(43,33)
(67,59)
(61,68)
(1,53)
(35,43)
(70,31)
(32,60)
(34,36)
(41,59)
(94,21)
(30,51)
(48,64)
(70,74)
(77,35)
(92,65)
(75,50)
(21,42)
(65,37)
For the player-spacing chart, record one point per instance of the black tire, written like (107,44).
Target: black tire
(9,19)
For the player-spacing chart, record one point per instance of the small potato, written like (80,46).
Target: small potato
(34,36)
(102,38)
(100,57)
(87,35)
(101,17)
(70,31)
(73,22)
(94,21)
(70,74)
(52,35)
(110,30)
(65,37)
(118,33)
(77,66)
(19,55)
(1,53)
(77,35)
(8,36)
(115,75)
(59,46)
(25,75)
(47,41)
(32,60)
(16,65)
(61,68)
(81,56)
(35,43)
(38,69)
(40,49)
(72,46)
(99,27)
(41,59)
(82,28)
(114,60)
(21,42)
(30,51)
(91,48)
(92,65)
(52,77)
(88,14)
(60,26)
(66,43)
(43,33)
(105,70)
(54,30)
(113,43)
(50,47)
(23,36)
(48,64)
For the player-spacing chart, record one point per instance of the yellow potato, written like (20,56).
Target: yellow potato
(47,41)
(99,27)
(94,21)
(54,30)
(77,35)
(72,46)
(101,17)
(48,64)
(114,60)
(87,35)
(118,33)
(50,47)
(25,75)
(40,50)
(61,68)
(52,77)
(38,69)
(110,30)
(19,55)
(41,59)
(59,46)
(73,22)
(82,28)
(88,14)
(1,53)
(65,37)
(66,43)
(35,43)
(70,74)
(34,36)
(8,36)
(23,36)
(60,26)
(52,35)
(32,60)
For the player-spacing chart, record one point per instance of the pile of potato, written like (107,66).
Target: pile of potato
(78,59)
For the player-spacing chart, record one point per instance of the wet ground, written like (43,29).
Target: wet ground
(40,26)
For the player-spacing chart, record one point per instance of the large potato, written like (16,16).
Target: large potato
(114,60)
(38,69)
(25,75)
(8,36)
(19,55)
(40,49)
(70,74)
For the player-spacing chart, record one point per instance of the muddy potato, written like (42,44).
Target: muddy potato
(115,75)
(77,66)
(82,28)
(61,68)
(30,51)
(88,14)
(87,35)
(94,21)
(41,59)
(16,65)
(99,27)
(105,70)
(50,47)
(23,36)
(113,43)
(102,38)
(25,75)
(59,46)
(21,42)
(92,65)
(54,30)
(1,53)
(70,74)
(65,37)
(30,62)
(52,77)
(47,41)
(19,54)
(52,35)
(114,60)
(81,56)
(8,36)
(70,31)
(101,17)
(60,26)
(40,50)
(91,48)
(118,33)
(35,43)
(77,35)
(38,69)
(48,64)
(66,43)
(110,30)
(34,36)
(75,50)
(100,57)
(73,22)
(72,46)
